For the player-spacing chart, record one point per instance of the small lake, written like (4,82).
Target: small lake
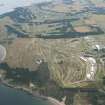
(10,96)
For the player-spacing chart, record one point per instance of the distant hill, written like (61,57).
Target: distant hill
(47,20)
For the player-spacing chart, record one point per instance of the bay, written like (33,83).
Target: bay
(10,96)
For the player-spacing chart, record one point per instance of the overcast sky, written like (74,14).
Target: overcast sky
(8,5)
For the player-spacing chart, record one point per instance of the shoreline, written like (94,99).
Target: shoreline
(51,100)
(26,90)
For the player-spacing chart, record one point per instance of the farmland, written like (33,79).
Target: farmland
(55,46)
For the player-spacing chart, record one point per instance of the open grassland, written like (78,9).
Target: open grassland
(67,8)
(96,2)
(100,20)
(82,29)
(62,57)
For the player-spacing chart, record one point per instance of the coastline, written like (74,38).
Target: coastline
(34,94)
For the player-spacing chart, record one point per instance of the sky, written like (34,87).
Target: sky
(9,5)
